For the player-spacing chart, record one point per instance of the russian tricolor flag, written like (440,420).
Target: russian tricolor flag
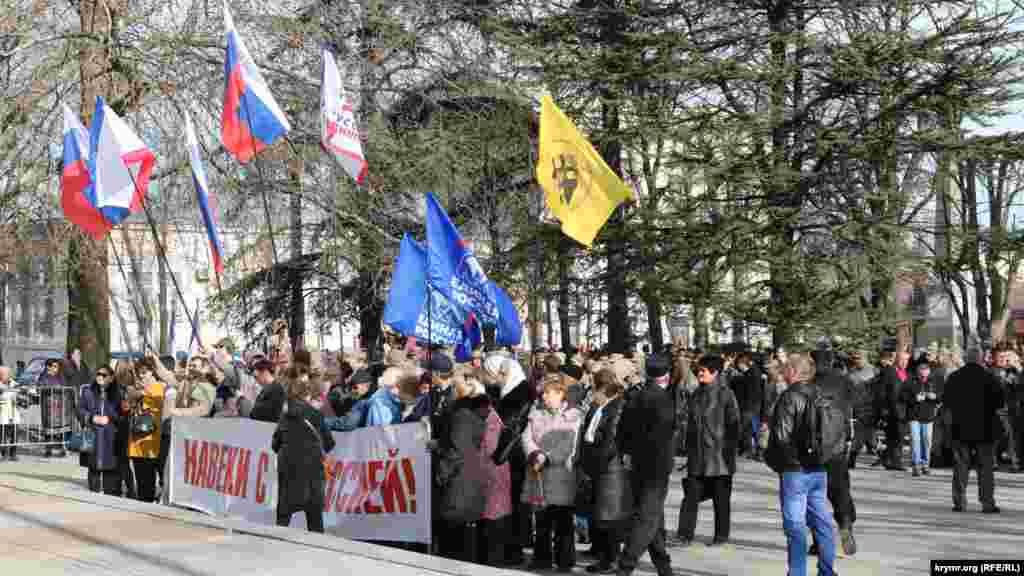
(251,119)
(119,163)
(78,197)
(203,198)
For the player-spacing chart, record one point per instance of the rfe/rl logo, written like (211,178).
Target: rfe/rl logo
(566,174)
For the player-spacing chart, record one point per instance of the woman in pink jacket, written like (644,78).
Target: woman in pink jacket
(493,527)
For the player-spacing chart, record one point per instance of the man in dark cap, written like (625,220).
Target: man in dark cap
(442,393)
(712,437)
(350,408)
(647,436)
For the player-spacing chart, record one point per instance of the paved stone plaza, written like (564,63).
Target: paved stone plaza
(49,524)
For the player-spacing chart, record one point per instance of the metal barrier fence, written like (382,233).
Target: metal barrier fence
(38,417)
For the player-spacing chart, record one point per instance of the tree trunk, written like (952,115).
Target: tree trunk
(297,325)
(88,325)
(3,313)
(619,337)
(777,19)
(549,321)
(984,324)
(654,323)
(564,258)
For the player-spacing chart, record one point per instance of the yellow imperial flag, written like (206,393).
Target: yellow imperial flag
(580,189)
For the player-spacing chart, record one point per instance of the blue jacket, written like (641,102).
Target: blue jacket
(385,409)
(355,418)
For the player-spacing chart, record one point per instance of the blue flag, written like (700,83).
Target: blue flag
(454,269)
(509,330)
(471,338)
(406,309)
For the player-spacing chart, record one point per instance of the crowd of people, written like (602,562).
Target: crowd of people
(579,447)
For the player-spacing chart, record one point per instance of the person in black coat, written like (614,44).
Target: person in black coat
(602,461)
(270,401)
(713,431)
(99,410)
(748,388)
(460,475)
(647,436)
(889,403)
(300,441)
(973,396)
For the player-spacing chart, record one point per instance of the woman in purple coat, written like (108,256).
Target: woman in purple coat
(100,410)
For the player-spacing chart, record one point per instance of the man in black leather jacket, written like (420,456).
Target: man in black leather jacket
(802,481)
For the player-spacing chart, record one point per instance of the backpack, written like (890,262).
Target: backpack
(825,426)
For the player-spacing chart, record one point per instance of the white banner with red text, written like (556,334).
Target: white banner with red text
(377,485)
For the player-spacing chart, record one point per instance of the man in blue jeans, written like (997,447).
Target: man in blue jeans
(803,481)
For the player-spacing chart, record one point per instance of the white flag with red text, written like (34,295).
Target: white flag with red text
(339,133)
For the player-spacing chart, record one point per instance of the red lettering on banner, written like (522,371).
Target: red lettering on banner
(229,474)
(199,478)
(190,460)
(344,481)
(392,490)
(210,482)
(261,486)
(410,482)
(372,485)
(242,473)
(359,476)
(225,453)
(330,482)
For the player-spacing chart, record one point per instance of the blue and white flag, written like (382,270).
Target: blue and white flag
(453,268)
(406,309)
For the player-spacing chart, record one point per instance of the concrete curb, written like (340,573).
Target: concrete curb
(337,544)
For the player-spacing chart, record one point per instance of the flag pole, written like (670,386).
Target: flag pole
(131,296)
(263,193)
(430,306)
(163,254)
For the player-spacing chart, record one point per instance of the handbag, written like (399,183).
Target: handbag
(83,441)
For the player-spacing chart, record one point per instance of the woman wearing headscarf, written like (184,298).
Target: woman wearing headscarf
(507,386)
(494,527)
(100,411)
